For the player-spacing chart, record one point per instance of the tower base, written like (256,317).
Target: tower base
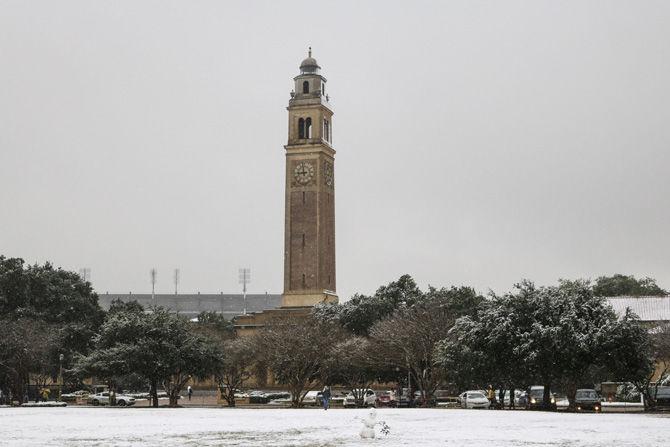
(307,299)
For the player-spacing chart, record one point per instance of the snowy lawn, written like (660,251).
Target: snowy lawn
(74,426)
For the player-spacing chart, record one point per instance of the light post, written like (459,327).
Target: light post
(245,278)
(399,392)
(61,357)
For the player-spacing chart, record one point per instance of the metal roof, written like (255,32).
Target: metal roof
(648,308)
(192,304)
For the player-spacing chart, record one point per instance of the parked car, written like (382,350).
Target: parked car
(586,399)
(147,395)
(386,399)
(535,397)
(405,400)
(71,397)
(369,398)
(258,397)
(443,397)
(122,400)
(312,398)
(517,398)
(239,394)
(663,396)
(278,395)
(473,399)
(283,399)
(427,401)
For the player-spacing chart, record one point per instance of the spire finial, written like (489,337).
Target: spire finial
(309,52)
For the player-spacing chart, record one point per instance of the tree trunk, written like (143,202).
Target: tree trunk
(19,389)
(112,393)
(296,396)
(154,393)
(571,392)
(174,397)
(511,398)
(546,396)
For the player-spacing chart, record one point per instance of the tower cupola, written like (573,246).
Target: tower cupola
(309,65)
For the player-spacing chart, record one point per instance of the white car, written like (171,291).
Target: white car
(369,398)
(71,397)
(473,399)
(312,398)
(122,400)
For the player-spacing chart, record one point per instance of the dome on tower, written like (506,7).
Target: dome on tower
(309,65)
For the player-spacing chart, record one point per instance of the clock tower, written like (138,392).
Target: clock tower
(309,241)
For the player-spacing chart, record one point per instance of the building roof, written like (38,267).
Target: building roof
(191,304)
(648,308)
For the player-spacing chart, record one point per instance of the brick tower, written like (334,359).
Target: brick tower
(309,242)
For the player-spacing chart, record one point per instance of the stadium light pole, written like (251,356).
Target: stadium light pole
(245,278)
(153,286)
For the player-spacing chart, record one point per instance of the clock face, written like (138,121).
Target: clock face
(328,173)
(303,172)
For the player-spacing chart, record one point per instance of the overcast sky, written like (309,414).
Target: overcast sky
(478,143)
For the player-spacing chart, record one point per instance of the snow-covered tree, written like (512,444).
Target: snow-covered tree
(239,356)
(552,336)
(159,346)
(361,312)
(48,303)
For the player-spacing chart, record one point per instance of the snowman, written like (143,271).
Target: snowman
(369,422)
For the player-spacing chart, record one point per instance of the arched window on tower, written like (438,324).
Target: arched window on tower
(326,130)
(301,128)
(305,87)
(308,128)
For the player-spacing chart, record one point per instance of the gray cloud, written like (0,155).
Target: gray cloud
(478,142)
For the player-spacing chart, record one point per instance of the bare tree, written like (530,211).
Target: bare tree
(658,353)
(294,348)
(351,364)
(408,338)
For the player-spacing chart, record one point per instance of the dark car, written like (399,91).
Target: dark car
(258,397)
(663,396)
(405,400)
(587,400)
(278,395)
(535,396)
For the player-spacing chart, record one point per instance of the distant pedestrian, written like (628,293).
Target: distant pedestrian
(190,392)
(491,395)
(325,397)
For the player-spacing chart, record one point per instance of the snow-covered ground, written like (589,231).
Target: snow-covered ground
(74,426)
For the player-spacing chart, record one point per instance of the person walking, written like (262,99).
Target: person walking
(45,394)
(325,397)
(491,395)
(190,392)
